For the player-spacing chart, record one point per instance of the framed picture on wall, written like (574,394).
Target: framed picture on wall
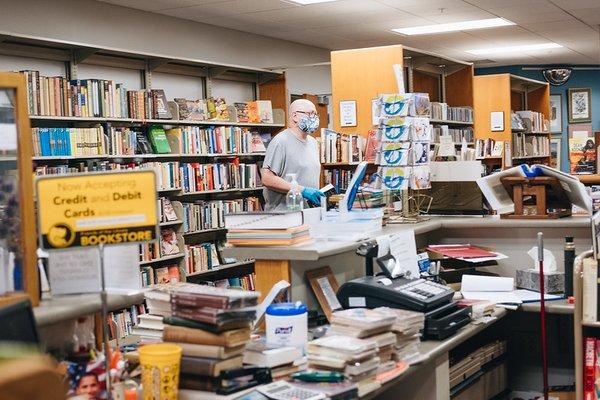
(556,113)
(555,144)
(580,105)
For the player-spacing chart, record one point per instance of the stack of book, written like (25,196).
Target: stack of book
(212,326)
(283,361)
(149,328)
(406,327)
(266,229)
(355,358)
(367,324)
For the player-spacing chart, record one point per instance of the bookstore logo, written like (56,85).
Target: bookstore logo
(60,235)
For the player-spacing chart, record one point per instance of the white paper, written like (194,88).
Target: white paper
(576,193)
(529,296)
(74,271)
(498,256)
(480,283)
(497,121)
(348,113)
(494,297)
(403,248)
(122,268)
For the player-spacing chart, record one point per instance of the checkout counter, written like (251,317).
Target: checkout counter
(429,379)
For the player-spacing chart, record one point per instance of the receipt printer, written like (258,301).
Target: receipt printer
(442,316)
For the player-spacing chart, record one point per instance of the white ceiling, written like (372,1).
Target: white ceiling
(347,24)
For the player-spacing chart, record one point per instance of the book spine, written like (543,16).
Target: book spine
(181,335)
(191,300)
(589,369)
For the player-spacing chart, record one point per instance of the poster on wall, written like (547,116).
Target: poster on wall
(347,113)
(580,105)
(582,149)
(556,113)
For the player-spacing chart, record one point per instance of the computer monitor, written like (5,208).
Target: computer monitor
(348,199)
(17,323)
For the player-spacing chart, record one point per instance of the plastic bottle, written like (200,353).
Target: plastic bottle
(293,199)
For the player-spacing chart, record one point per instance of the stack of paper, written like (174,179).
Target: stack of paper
(498,290)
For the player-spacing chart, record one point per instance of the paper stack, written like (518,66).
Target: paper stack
(406,327)
(212,326)
(356,358)
(283,361)
(149,328)
(266,228)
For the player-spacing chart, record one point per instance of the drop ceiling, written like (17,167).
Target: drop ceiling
(345,24)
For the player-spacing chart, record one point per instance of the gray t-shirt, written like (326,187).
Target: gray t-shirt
(288,154)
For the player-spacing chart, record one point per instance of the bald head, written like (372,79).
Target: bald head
(298,108)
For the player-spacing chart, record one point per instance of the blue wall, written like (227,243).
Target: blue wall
(579,79)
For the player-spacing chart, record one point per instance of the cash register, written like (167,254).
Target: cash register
(389,289)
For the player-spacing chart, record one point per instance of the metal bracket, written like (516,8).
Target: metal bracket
(155,63)
(80,55)
(215,72)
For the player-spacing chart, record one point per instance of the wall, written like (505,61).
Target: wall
(585,79)
(103,24)
(309,79)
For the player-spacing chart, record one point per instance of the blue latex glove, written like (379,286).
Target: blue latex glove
(312,195)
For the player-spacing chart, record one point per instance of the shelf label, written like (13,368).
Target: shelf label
(80,210)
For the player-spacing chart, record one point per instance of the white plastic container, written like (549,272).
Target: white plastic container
(287,325)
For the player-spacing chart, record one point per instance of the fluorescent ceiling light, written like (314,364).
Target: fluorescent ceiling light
(454,26)
(307,2)
(509,49)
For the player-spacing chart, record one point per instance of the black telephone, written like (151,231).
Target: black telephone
(379,291)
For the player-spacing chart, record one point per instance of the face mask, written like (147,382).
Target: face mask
(308,124)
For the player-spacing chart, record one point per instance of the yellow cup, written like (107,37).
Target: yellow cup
(160,370)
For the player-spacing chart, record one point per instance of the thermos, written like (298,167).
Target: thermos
(569,259)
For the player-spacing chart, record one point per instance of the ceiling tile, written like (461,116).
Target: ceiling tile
(156,5)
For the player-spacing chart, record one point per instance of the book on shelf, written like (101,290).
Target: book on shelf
(256,112)
(245,282)
(372,145)
(168,274)
(443,112)
(158,139)
(340,148)
(204,215)
(122,322)
(169,243)
(201,257)
(485,148)
(68,141)
(458,134)
(195,110)
(533,121)
(218,176)
(166,210)
(213,140)
(530,146)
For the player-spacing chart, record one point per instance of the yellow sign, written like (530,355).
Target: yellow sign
(96,208)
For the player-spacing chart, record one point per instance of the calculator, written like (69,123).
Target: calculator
(282,390)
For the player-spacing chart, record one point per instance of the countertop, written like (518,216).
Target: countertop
(63,308)
(314,250)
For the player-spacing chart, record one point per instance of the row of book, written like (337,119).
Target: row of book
(197,177)
(168,244)
(442,111)
(340,148)
(244,282)
(121,323)
(57,96)
(127,141)
(488,148)
(339,178)
(458,134)
(201,257)
(530,121)
(530,146)
(211,214)
(214,140)
(167,274)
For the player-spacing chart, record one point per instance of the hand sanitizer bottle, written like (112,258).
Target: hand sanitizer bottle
(293,199)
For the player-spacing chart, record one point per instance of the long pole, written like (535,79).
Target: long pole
(540,237)
(103,299)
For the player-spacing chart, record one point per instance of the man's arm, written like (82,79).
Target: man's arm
(276,183)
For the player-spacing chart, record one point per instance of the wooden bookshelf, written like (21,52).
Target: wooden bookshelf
(506,93)
(267,85)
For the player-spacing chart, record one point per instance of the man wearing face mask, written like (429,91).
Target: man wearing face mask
(293,151)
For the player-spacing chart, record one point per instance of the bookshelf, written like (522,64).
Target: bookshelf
(507,93)
(356,77)
(265,84)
